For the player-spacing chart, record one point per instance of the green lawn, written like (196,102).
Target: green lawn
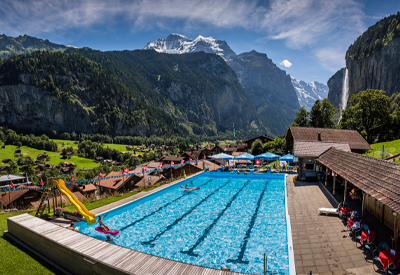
(15,259)
(55,158)
(11,254)
(391,148)
(119,147)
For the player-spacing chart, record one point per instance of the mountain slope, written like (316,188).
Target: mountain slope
(122,93)
(308,93)
(26,44)
(268,87)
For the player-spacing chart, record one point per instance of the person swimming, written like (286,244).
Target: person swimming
(101,223)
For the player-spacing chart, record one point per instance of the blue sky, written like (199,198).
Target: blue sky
(311,35)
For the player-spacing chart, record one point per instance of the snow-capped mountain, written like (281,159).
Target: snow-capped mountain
(308,93)
(179,44)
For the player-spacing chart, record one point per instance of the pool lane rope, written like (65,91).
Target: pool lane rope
(190,252)
(169,227)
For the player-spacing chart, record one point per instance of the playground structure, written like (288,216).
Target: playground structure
(54,184)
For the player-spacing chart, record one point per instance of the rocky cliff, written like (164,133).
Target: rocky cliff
(269,88)
(335,84)
(308,93)
(379,71)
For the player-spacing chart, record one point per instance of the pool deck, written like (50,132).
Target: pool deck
(318,241)
(61,247)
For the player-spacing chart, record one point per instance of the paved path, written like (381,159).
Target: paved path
(318,241)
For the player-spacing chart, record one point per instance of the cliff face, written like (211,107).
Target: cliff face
(335,84)
(379,71)
(269,88)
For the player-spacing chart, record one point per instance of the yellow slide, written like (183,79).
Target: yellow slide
(90,217)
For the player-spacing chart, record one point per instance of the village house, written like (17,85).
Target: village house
(308,143)
(20,199)
(5,180)
(115,181)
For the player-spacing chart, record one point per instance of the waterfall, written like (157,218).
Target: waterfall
(345,90)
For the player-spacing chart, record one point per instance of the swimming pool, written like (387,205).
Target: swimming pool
(231,221)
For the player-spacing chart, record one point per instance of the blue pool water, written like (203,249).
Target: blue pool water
(231,221)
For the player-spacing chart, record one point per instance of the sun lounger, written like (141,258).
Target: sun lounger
(332,211)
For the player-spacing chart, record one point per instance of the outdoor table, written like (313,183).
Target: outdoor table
(366,236)
(387,259)
(345,210)
(350,222)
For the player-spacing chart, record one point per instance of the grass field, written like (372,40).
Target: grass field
(391,148)
(15,259)
(119,147)
(55,157)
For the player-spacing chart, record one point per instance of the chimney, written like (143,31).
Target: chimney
(319,136)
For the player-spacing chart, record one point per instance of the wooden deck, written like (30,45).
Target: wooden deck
(81,254)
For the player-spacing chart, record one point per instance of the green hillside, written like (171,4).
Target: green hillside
(26,44)
(376,37)
(390,148)
(129,93)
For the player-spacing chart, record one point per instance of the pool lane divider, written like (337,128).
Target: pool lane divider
(246,238)
(208,229)
(169,227)
(159,209)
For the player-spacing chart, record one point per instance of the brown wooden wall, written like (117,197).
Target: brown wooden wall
(382,212)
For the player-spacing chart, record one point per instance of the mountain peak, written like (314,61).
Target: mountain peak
(179,44)
(308,93)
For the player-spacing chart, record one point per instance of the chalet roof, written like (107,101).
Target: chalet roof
(191,154)
(88,187)
(113,180)
(316,148)
(352,137)
(376,177)
(11,196)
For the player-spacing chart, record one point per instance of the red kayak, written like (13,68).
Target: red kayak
(111,231)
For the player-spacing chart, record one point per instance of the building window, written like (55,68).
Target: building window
(309,166)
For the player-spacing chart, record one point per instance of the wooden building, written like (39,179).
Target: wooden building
(20,199)
(377,179)
(308,143)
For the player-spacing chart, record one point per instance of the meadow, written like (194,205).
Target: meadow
(384,150)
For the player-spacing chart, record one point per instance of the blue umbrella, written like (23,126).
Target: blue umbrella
(267,156)
(287,157)
(245,156)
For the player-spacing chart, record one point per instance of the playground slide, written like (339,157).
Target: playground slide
(90,217)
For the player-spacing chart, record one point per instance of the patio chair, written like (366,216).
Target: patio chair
(375,259)
(357,233)
(327,211)
(393,270)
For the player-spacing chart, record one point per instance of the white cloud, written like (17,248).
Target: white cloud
(332,59)
(286,63)
(327,28)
